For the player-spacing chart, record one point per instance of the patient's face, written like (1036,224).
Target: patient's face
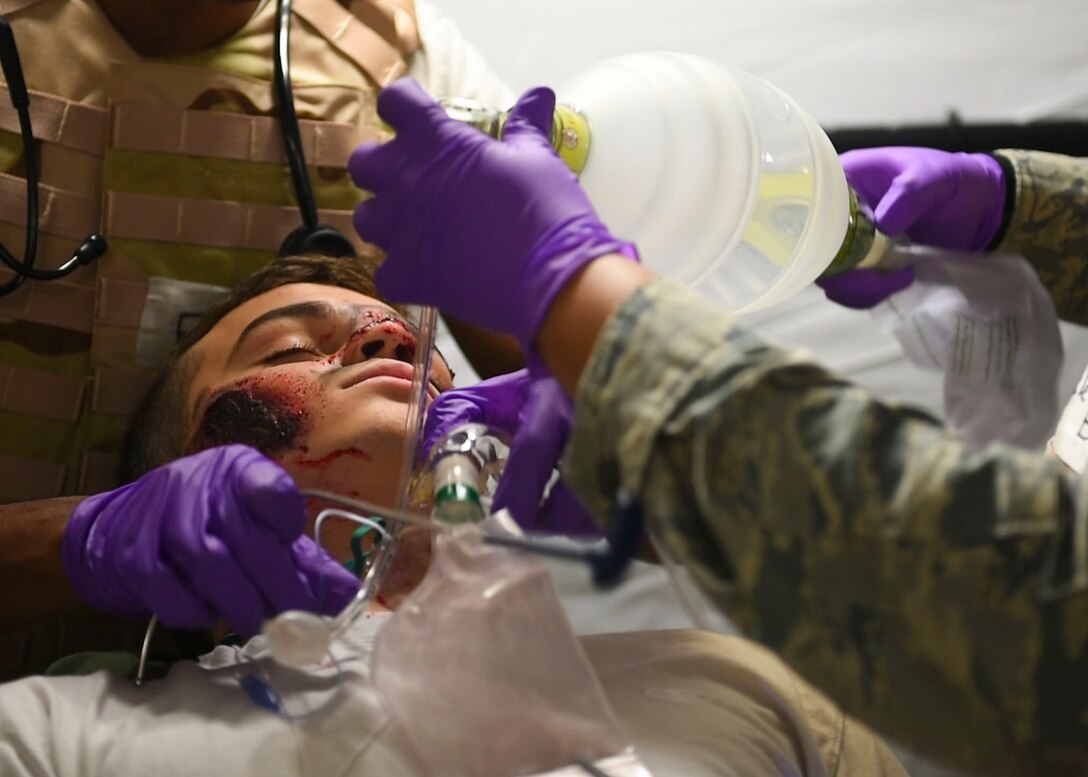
(318,378)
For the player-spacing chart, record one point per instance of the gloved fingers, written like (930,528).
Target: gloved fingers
(372,222)
(229,592)
(86,542)
(330,585)
(407,108)
(448,411)
(897,280)
(908,199)
(395,283)
(175,604)
(870,171)
(260,533)
(265,494)
(199,557)
(271,569)
(563,513)
(531,117)
(864,289)
(534,453)
(495,403)
(521,488)
(368,164)
(232,547)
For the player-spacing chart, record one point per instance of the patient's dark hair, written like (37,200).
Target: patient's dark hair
(159,429)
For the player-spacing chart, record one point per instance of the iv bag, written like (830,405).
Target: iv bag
(482,669)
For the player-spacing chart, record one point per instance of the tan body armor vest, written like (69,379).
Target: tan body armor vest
(180,164)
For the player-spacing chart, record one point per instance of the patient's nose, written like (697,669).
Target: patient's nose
(381,340)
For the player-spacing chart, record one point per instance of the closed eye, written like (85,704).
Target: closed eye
(298,352)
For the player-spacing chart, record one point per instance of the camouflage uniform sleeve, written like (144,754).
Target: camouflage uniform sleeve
(1048,224)
(939,596)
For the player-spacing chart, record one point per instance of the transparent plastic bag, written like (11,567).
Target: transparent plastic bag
(989,325)
(483,671)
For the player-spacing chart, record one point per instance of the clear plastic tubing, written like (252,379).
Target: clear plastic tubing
(413,432)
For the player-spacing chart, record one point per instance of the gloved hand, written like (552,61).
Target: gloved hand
(216,534)
(535,412)
(487,231)
(864,289)
(937,198)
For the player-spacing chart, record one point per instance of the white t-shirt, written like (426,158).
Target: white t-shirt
(692,703)
(449,66)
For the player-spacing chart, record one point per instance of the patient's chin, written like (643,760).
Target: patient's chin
(409,567)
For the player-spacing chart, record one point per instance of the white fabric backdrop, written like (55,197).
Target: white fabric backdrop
(849,63)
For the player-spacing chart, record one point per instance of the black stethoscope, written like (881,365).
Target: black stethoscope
(311,237)
(94,245)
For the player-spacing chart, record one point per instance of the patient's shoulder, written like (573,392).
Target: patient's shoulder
(688,691)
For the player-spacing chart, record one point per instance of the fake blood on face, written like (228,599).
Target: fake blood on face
(329,458)
(266,412)
(334,471)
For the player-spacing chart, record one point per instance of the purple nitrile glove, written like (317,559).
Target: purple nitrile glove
(486,230)
(937,198)
(535,413)
(215,534)
(864,289)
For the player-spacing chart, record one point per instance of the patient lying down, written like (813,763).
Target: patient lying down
(314,376)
